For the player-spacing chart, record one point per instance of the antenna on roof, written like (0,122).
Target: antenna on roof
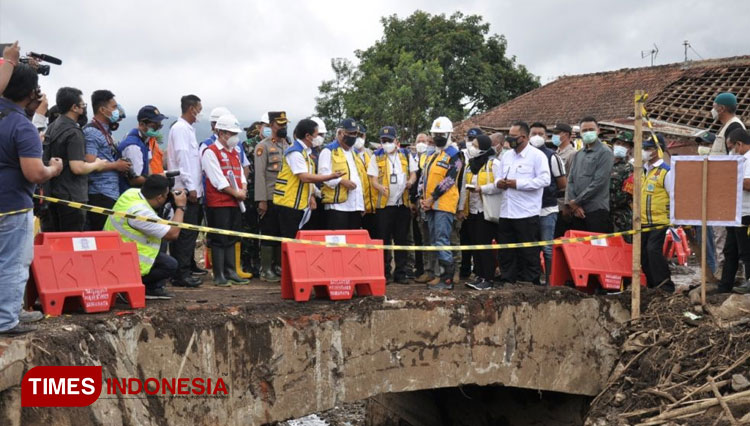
(689,46)
(653,52)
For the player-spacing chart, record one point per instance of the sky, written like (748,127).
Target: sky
(253,56)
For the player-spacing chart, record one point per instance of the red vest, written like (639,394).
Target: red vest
(229,161)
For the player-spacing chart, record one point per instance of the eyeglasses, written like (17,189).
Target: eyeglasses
(83,105)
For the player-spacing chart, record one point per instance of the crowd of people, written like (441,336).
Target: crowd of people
(528,184)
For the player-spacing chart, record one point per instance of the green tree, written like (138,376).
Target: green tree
(330,102)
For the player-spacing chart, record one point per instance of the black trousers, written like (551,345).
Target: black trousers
(392,226)
(596,221)
(95,220)
(481,231)
(60,218)
(289,220)
(418,255)
(164,267)
(336,219)
(183,248)
(654,263)
(250,246)
(521,264)
(229,218)
(269,224)
(736,248)
(370,223)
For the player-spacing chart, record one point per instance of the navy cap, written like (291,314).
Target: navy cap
(362,128)
(474,132)
(562,127)
(349,125)
(648,141)
(388,132)
(706,138)
(150,113)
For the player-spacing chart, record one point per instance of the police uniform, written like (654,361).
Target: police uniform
(251,246)
(656,187)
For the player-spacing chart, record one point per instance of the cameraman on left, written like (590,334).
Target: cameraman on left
(21,168)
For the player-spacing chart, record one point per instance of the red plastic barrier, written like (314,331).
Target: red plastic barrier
(83,269)
(609,261)
(332,272)
(676,245)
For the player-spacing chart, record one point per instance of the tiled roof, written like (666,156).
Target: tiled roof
(679,93)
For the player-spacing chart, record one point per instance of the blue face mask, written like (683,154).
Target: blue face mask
(266,132)
(556,140)
(115,116)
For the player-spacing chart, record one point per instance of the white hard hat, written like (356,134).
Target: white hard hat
(228,123)
(218,112)
(321,125)
(442,125)
(264,118)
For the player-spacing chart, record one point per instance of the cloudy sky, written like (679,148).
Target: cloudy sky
(254,56)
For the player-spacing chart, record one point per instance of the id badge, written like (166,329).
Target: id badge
(394,180)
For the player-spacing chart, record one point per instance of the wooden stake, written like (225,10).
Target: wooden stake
(635,297)
(704,231)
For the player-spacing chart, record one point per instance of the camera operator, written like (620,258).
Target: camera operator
(11,56)
(135,147)
(156,267)
(21,167)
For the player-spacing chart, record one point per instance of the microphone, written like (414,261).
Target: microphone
(46,58)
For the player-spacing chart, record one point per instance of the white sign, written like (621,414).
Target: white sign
(339,239)
(602,242)
(84,244)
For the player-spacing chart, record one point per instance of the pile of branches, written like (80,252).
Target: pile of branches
(678,367)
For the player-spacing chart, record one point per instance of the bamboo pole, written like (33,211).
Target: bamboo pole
(635,297)
(704,231)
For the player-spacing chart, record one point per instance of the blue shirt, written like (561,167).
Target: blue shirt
(105,183)
(18,139)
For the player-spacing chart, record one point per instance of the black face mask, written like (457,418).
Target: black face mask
(114,126)
(551,146)
(350,140)
(513,141)
(440,141)
(281,133)
(82,120)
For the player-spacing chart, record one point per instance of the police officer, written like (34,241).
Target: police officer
(392,171)
(268,161)
(250,246)
(621,184)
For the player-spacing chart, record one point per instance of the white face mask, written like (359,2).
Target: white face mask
(536,141)
(714,113)
(704,150)
(620,151)
(421,147)
(359,144)
(233,141)
(646,155)
(389,147)
(472,151)
(317,141)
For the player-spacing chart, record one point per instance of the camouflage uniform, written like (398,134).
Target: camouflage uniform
(621,196)
(251,247)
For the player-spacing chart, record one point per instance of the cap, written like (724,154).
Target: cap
(726,99)
(150,113)
(349,125)
(562,127)
(387,132)
(264,118)
(218,112)
(474,132)
(626,137)
(228,123)
(278,116)
(706,138)
(648,142)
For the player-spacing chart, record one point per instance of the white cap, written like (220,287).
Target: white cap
(218,112)
(321,125)
(264,118)
(228,123)
(442,125)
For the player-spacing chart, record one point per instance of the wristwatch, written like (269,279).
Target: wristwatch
(180,208)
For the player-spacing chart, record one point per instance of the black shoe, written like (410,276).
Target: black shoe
(744,288)
(402,280)
(667,286)
(277,270)
(232,276)
(724,288)
(20,328)
(189,282)
(480,284)
(159,293)
(198,271)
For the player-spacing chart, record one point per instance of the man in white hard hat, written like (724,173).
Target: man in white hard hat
(226,187)
(214,117)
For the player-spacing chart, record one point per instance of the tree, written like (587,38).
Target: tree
(330,103)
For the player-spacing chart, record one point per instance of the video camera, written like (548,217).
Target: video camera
(40,68)
(171,175)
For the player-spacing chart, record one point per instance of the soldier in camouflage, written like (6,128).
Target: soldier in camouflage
(251,247)
(621,184)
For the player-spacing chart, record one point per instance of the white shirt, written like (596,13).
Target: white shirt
(668,179)
(355,201)
(183,155)
(212,168)
(557,169)
(476,205)
(395,190)
(297,161)
(155,230)
(531,172)
(746,194)
(133,153)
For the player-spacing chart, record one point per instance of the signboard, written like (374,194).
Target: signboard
(724,190)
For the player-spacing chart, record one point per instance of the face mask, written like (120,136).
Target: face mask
(317,141)
(350,140)
(472,151)
(359,144)
(151,133)
(620,151)
(512,141)
(440,141)
(556,140)
(266,132)
(536,141)
(198,117)
(82,120)
(114,126)
(233,141)
(589,137)
(115,117)
(704,150)
(281,133)
(389,147)
(714,113)
(646,155)
(421,147)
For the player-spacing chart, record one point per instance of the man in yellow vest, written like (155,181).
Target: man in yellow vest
(425,147)
(294,193)
(156,268)
(440,197)
(658,184)
(392,171)
(344,197)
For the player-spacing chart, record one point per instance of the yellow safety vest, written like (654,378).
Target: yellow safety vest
(655,199)
(133,202)
(339,194)
(436,168)
(371,194)
(484,177)
(289,191)
(384,177)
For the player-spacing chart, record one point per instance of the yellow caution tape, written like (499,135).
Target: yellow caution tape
(559,241)
(14,212)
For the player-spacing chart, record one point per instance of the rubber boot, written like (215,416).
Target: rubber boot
(277,260)
(446,278)
(230,267)
(217,263)
(266,265)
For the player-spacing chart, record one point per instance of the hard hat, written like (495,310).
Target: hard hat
(264,118)
(321,125)
(228,123)
(218,112)
(442,125)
